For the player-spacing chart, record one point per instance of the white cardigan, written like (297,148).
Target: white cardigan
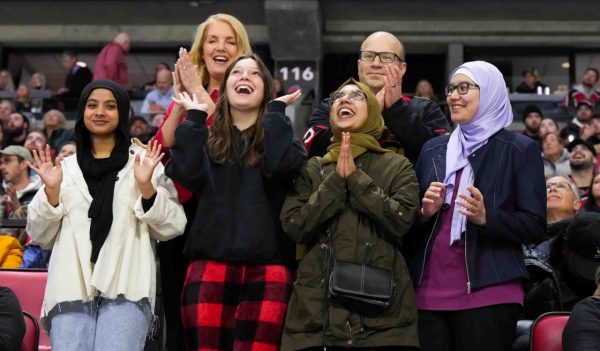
(126,265)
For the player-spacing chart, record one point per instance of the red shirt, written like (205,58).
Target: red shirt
(110,64)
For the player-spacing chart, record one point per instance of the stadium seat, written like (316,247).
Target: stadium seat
(32,333)
(29,286)
(547,330)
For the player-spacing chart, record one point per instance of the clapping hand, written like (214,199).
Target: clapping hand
(144,167)
(345,164)
(190,103)
(473,206)
(433,199)
(290,98)
(50,174)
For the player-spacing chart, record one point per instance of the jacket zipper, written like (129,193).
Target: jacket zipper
(432,230)
(467,265)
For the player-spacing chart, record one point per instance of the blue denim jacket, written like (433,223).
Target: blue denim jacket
(509,172)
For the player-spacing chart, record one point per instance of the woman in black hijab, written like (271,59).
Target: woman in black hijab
(101,211)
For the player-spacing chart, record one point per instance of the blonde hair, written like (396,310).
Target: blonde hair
(61,117)
(241,38)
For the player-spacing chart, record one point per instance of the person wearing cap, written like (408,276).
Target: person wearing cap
(582,160)
(530,82)
(16,131)
(532,117)
(583,115)
(19,187)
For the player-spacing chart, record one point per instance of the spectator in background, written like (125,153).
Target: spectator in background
(54,123)
(412,122)
(530,83)
(532,117)
(18,127)
(574,259)
(19,187)
(591,132)
(140,128)
(593,201)
(160,66)
(6,81)
(78,77)
(556,157)
(110,63)
(23,99)
(12,325)
(159,98)
(581,332)
(582,160)
(37,81)
(548,125)
(157,120)
(35,140)
(69,148)
(583,115)
(425,90)
(586,91)
(6,109)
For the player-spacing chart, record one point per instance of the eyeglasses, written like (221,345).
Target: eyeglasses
(558,186)
(354,95)
(462,88)
(385,57)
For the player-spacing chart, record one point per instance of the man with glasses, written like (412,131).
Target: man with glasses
(381,66)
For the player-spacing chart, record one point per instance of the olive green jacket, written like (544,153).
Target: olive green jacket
(374,207)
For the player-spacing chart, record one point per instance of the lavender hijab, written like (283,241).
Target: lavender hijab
(494,114)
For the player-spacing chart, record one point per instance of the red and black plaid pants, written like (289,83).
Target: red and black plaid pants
(234,306)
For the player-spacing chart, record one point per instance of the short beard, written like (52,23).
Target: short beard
(15,132)
(581,166)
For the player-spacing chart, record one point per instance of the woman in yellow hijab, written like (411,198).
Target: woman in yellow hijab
(355,204)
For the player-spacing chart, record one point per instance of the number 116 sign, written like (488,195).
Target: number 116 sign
(301,73)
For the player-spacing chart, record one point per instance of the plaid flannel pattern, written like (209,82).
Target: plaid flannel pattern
(234,306)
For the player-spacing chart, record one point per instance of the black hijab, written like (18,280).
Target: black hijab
(101,175)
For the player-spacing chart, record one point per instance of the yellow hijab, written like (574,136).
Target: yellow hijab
(366,138)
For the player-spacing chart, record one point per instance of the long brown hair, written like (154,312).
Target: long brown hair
(219,143)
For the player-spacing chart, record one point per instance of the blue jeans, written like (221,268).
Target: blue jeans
(111,325)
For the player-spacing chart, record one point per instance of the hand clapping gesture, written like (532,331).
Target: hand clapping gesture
(290,98)
(392,88)
(189,103)
(187,79)
(473,206)
(50,174)
(433,199)
(143,168)
(345,164)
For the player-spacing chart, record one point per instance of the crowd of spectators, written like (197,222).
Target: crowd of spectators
(562,269)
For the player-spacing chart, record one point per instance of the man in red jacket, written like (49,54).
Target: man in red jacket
(110,63)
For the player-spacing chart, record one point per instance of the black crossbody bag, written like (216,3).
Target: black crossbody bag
(360,286)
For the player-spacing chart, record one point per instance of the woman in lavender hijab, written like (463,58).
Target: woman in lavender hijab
(484,195)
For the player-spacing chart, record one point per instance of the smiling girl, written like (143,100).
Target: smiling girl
(238,282)
(101,211)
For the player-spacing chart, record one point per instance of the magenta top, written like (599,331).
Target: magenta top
(444,283)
